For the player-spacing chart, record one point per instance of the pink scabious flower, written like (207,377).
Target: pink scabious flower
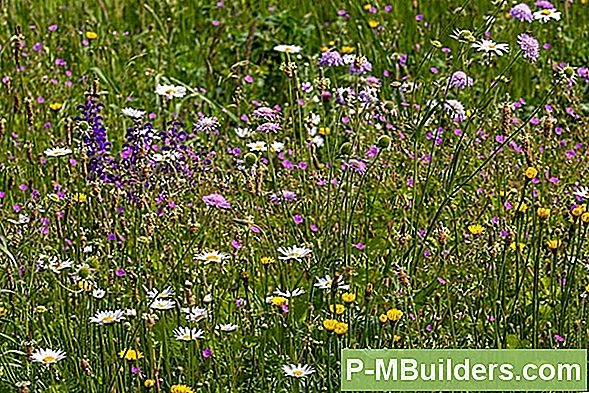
(544,4)
(460,80)
(331,58)
(529,46)
(217,200)
(522,12)
(356,165)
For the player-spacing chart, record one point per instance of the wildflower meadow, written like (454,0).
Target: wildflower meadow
(219,196)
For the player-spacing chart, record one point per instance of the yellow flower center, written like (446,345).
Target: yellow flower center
(49,359)
(298,373)
(107,319)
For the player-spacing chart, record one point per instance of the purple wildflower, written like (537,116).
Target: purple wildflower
(206,124)
(265,112)
(268,127)
(460,80)
(360,65)
(544,4)
(356,165)
(522,12)
(331,58)
(530,47)
(217,200)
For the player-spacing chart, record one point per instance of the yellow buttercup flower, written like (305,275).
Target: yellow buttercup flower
(476,229)
(80,198)
(55,106)
(367,7)
(130,354)
(531,172)
(181,389)
(373,23)
(349,297)
(543,213)
(267,260)
(324,130)
(339,309)
(522,207)
(553,244)
(341,328)
(148,383)
(396,338)
(585,218)
(521,246)
(383,318)
(394,314)
(578,210)
(347,49)
(329,324)
(91,35)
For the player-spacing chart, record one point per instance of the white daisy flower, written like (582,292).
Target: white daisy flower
(318,141)
(582,192)
(297,370)
(108,317)
(22,220)
(56,265)
(315,118)
(162,304)
(349,59)
(195,314)
(257,146)
(58,152)
(188,334)
(277,147)
(170,91)
(134,113)
(327,282)
(243,132)
(289,294)
(546,15)
(211,256)
(98,293)
(207,298)
(490,46)
(47,356)
(227,327)
(166,293)
(288,48)
(293,252)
